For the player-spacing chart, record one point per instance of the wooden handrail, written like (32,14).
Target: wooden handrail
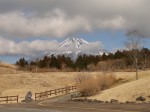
(54,92)
(9,98)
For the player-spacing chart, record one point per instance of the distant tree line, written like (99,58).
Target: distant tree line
(116,61)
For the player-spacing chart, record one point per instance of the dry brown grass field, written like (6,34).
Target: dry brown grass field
(21,83)
(13,82)
(128,91)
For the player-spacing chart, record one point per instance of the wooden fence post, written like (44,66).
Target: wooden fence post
(6,99)
(55,92)
(50,93)
(17,98)
(35,96)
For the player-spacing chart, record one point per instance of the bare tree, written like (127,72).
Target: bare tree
(134,45)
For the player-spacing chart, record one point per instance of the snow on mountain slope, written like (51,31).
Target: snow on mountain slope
(76,41)
(73,47)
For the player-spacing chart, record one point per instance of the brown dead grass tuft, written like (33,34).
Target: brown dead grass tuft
(106,80)
(86,84)
(89,85)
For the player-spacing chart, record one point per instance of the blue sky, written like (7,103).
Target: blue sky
(111,41)
(30,27)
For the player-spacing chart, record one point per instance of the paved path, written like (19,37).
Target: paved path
(62,109)
(24,110)
(60,104)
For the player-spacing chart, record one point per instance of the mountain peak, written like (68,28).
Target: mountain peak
(77,42)
(73,47)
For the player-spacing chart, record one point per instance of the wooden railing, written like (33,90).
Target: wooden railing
(8,99)
(46,94)
(39,96)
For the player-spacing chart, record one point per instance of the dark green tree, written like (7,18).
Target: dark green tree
(22,62)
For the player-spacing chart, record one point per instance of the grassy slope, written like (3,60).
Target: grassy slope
(21,83)
(13,82)
(6,68)
(128,91)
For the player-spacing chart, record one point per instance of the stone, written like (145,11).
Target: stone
(99,101)
(75,100)
(106,102)
(89,100)
(28,97)
(94,101)
(76,95)
(130,102)
(140,98)
(85,99)
(113,101)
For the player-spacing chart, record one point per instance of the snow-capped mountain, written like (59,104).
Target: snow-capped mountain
(76,42)
(73,47)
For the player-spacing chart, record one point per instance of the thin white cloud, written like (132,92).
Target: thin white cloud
(37,47)
(92,48)
(25,48)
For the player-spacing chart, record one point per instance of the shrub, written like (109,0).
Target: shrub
(106,80)
(89,85)
(86,84)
